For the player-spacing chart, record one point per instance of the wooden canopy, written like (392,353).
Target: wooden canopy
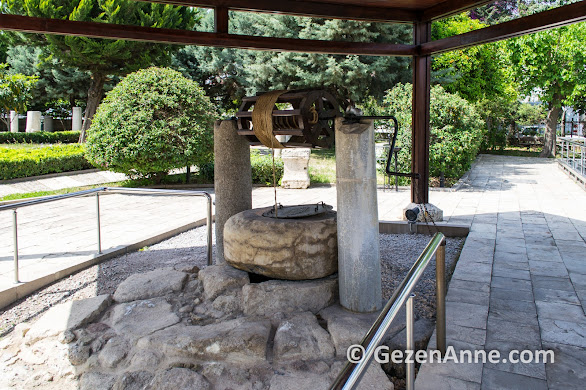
(419,13)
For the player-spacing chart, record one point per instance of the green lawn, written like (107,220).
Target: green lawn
(322,166)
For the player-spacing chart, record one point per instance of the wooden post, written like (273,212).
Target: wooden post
(420,119)
(221,18)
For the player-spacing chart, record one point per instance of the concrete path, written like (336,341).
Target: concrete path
(58,181)
(520,282)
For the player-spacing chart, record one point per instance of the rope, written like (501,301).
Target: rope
(262,119)
(275,184)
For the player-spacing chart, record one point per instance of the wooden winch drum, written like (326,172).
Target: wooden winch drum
(306,116)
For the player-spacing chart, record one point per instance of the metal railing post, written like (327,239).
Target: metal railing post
(349,377)
(98,220)
(15,234)
(440,296)
(97,191)
(582,148)
(410,379)
(209,229)
(396,170)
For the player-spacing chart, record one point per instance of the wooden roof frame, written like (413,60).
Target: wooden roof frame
(564,15)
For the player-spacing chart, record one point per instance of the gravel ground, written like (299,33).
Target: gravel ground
(398,252)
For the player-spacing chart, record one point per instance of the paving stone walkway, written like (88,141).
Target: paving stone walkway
(520,282)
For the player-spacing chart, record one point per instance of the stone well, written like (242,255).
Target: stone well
(291,249)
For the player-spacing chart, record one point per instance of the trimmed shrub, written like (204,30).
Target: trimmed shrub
(153,121)
(17,163)
(456,130)
(43,137)
(262,169)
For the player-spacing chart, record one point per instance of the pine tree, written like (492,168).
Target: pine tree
(229,74)
(56,81)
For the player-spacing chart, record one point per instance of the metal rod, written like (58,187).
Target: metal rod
(410,365)
(353,372)
(121,190)
(15,234)
(48,199)
(209,230)
(396,170)
(98,220)
(440,296)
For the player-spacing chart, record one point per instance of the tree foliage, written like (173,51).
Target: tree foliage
(153,121)
(15,92)
(553,63)
(456,129)
(478,73)
(229,74)
(56,81)
(103,57)
(503,10)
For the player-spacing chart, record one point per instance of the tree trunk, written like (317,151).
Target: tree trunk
(94,95)
(549,142)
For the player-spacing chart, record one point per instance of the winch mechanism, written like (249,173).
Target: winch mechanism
(307,118)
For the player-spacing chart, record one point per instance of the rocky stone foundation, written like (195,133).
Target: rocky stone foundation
(190,329)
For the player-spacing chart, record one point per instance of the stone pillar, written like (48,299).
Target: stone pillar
(33,121)
(232,178)
(295,168)
(358,243)
(76,119)
(13,122)
(47,123)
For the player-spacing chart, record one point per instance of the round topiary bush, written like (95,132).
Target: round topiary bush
(456,131)
(153,121)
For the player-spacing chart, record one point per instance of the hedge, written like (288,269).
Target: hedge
(17,163)
(262,169)
(43,137)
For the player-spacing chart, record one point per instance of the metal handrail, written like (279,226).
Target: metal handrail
(97,191)
(353,372)
(573,154)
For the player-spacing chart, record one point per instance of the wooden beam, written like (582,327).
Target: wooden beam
(449,8)
(221,20)
(420,133)
(183,37)
(306,8)
(557,17)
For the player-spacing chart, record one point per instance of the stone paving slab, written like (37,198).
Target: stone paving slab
(534,240)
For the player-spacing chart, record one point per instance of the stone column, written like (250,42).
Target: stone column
(47,123)
(232,178)
(13,122)
(33,121)
(358,244)
(76,119)
(295,167)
